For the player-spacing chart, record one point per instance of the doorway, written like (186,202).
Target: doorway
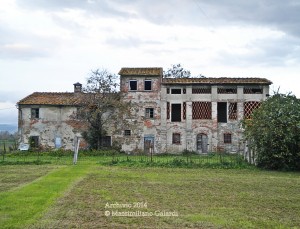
(148,145)
(202,143)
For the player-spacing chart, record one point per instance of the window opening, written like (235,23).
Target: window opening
(184,110)
(132,85)
(149,113)
(148,85)
(222,112)
(176,113)
(232,111)
(175,91)
(168,110)
(201,90)
(34,141)
(201,110)
(176,138)
(127,132)
(35,113)
(227,138)
(106,141)
(249,107)
(227,90)
(253,90)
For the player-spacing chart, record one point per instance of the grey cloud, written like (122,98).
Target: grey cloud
(102,8)
(282,15)
(266,53)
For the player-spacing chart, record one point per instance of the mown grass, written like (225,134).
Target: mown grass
(203,198)
(75,196)
(23,206)
(13,177)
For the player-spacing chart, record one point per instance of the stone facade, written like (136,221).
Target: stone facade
(48,120)
(201,115)
(170,115)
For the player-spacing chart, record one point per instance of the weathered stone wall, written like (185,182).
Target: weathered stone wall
(53,122)
(143,126)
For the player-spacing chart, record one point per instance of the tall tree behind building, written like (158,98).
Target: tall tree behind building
(102,108)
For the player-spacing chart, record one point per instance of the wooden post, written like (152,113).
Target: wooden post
(76,148)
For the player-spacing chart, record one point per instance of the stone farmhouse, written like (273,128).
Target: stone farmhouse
(170,114)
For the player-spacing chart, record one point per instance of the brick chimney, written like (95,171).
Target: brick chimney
(77,87)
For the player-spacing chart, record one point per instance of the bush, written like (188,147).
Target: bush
(274,133)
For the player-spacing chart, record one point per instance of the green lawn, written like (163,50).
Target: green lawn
(67,196)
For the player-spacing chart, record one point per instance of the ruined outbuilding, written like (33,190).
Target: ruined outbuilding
(170,114)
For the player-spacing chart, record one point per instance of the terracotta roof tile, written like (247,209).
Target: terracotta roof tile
(141,71)
(51,98)
(222,80)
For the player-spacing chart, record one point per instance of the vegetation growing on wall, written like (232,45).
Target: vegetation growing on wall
(273,133)
(103,107)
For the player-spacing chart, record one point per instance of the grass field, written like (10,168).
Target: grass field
(79,196)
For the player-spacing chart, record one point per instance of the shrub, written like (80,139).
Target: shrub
(274,133)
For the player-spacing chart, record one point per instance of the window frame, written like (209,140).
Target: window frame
(148,111)
(127,132)
(176,138)
(148,85)
(174,116)
(35,113)
(227,138)
(135,85)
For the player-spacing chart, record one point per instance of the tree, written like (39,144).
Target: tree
(102,107)
(274,133)
(177,72)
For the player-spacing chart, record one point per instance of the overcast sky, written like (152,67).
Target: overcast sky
(47,45)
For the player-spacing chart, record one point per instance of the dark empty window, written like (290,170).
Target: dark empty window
(148,85)
(149,112)
(176,113)
(35,113)
(176,138)
(132,85)
(168,90)
(227,138)
(34,141)
(127,132)
(175,91)
(106,141)
(222,112)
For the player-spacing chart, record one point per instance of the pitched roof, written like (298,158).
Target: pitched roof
(141,72)
(51,98)
(222,80)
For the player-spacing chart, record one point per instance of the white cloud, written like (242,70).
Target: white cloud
(49,45)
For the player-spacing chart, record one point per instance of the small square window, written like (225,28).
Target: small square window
(148,85)
(35,113)
(132,85)
(227,138)
(149,113)
(127,132)
(176,138)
